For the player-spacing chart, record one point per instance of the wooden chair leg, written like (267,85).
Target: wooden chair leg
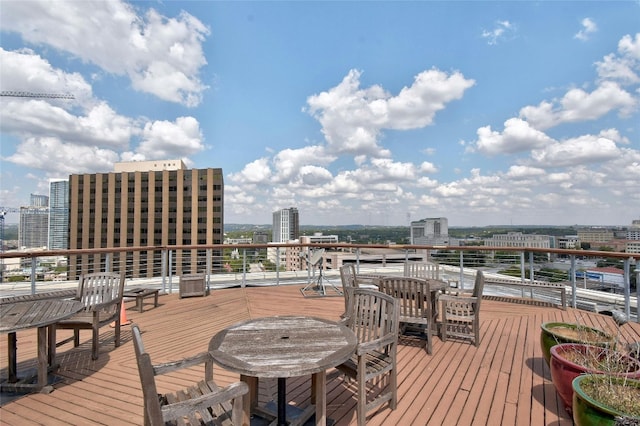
(76,337)
(477,334)
(117,332)
(394,388)
(362,402)
(94,343)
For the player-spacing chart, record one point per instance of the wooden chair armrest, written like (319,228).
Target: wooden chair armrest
(104,305)
(167,367)
(458,299)
(374,345)
(180,409)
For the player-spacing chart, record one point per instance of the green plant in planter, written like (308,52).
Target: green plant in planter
(569,360)
(607,399)
(554,333)
(600,399)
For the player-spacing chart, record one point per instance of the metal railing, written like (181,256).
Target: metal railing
(251,265)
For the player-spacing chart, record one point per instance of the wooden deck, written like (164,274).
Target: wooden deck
(505,381)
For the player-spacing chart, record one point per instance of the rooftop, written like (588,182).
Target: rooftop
(503,381)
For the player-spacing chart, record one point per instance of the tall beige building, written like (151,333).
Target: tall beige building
(146,204)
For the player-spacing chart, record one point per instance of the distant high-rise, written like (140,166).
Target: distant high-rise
(286,225)
(432,231)
(34,223)
(58,214)
(146,203)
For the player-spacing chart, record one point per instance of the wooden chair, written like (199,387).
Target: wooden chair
(202,403)
(461,313)
(348,279)
(373,317)
(101,294)
(422,270)
(415,303)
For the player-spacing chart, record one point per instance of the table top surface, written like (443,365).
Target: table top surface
(282,346)
(36,313)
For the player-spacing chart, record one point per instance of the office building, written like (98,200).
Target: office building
(595,235)
(518,239)
(58,214)
(33,230)
(260,237)
(286,225)
(149,203)
(570,242)
(430,232)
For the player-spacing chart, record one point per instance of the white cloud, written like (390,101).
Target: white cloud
(524,172)
(581,150)
(427,167)
(165,139)
(38,118)
(352,118)
(58,158)
(517,136)
(160,55)
(24,70)
(501,30)
(257,171)
(578,105)
(588,27)
(630,46)
(624,67)
(288,162)
(314,175)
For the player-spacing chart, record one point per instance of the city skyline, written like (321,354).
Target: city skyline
(372,113)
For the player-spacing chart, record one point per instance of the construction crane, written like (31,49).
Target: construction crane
(18,94)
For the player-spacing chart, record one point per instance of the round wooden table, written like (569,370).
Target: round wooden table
(281,347)
(42,314)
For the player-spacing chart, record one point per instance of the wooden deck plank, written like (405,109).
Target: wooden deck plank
(504,381)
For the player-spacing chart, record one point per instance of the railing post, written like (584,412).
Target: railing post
(627,288)
(170,272)
(572,272)
(244,268)
(208,269)
(277,265)
(638,291)
(461,270)
(358,260)
(531,277)
(33,275)
(308,258)
(163,266)
(107,262)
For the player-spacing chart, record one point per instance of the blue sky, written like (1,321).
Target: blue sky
(372,113)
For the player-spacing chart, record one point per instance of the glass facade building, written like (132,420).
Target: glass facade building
(58,214)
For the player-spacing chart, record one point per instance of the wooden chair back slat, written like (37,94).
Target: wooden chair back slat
(348,279)
(422,270)
(461,313)
(201,403)
(101,294)
(415,302)
(373,317)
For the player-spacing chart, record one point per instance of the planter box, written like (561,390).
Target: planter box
(192,285)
